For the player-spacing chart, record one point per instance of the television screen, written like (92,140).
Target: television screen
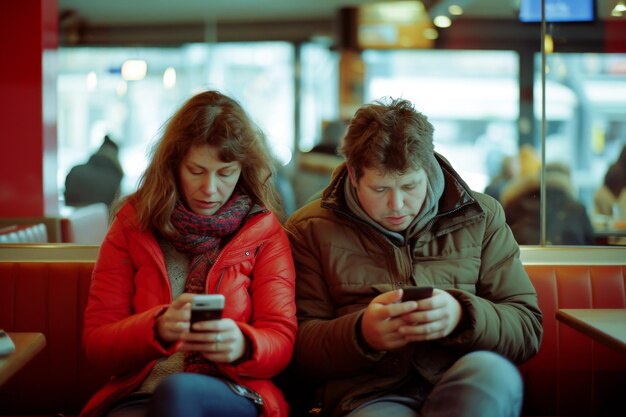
(557,11)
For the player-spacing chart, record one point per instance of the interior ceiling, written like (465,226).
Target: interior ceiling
(153,12)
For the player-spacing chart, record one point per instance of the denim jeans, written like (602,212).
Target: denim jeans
(480,384)
(189,395)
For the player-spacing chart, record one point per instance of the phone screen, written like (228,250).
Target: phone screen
(206,307)
(416,293)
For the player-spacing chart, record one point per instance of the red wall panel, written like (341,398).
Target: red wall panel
(28,156)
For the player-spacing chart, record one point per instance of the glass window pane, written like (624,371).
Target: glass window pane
(319,92)
(586,126)
(94,99)
(471,98)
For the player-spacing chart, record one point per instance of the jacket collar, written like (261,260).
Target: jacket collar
(456,193)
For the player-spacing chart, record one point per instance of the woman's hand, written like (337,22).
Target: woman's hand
(218,340)
(171,325)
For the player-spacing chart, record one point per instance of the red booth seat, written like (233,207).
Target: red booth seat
(572,375)
(45,290)
(24,233)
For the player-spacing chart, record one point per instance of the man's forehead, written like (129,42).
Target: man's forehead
(376,174)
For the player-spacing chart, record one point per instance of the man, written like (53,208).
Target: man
(394,215)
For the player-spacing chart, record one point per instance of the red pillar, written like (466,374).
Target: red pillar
(28,148)
(615,36)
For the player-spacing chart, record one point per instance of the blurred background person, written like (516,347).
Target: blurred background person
(610,198)
(509,168)
(316,166)
(529,161)
(96,181)
(284,187)
(497,142)
(567,221)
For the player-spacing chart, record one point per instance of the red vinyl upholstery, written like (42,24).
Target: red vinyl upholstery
(24,233)
(47,297)
(570,376)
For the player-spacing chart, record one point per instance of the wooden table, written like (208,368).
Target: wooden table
(27,345)
(607,326)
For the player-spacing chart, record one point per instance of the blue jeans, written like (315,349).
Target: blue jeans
(188,395)
(479,384)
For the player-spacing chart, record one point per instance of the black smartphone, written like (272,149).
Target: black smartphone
(416,293)
(206,307)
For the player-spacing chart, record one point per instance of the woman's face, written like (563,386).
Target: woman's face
(206,181)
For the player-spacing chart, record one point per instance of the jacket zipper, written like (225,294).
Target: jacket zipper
(219,256)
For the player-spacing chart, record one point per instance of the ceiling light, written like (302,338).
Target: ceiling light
(169,78)
(620,7)
(455,10)
(442,21)
(134,69)
(548,44)
(92,81)
(431,34)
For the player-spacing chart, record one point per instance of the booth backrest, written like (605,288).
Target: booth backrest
(24,233)
(572,375)
(52,226)
(86,225)
(44,289)
(48,294)
(81,226)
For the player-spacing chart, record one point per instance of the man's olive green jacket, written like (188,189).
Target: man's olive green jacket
(342,263)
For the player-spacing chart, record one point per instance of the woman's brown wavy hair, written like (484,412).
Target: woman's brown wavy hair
(208,118)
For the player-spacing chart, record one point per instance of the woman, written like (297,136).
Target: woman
(201,221)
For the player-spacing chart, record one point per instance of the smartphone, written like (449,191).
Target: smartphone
(206,307)
(416,293)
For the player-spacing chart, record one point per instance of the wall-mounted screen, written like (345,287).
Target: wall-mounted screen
(558,11)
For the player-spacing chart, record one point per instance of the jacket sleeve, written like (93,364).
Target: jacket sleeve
(115,337)
(327,345)
(272,328)
(503,315)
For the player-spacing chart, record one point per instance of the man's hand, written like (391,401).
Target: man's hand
(382,318)
(434,318)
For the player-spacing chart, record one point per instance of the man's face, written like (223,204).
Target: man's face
(391,200)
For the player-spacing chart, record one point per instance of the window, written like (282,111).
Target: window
(94,99)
